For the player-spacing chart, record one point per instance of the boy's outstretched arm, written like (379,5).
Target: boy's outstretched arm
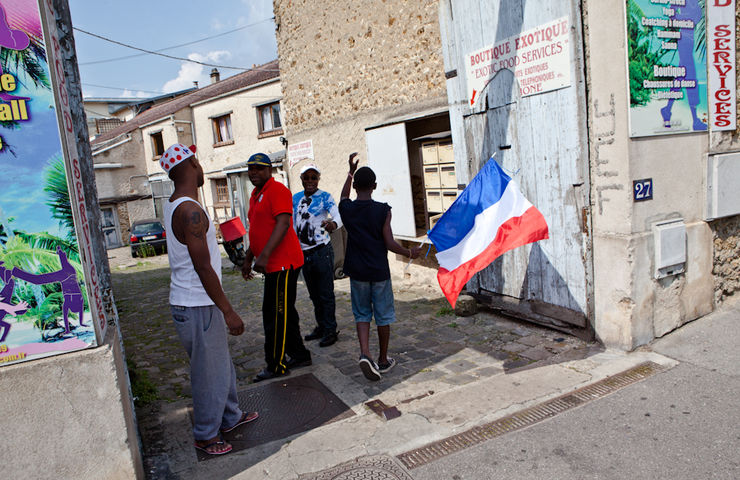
(348,183)
(391,243)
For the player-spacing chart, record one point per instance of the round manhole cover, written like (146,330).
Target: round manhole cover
(370,468)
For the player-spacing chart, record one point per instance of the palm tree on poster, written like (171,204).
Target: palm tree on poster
(20,19)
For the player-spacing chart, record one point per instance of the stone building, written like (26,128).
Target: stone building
(390,80)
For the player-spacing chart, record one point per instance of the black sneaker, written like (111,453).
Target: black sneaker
(369,368)
(266,374)
(386,367)
(315,335)
(295,363)
(329,339)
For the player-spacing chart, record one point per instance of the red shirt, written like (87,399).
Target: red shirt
(271,200)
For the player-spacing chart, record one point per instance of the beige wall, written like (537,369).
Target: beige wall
(59,429)
(172,132)
(632,307)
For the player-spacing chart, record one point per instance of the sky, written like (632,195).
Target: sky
(159,24)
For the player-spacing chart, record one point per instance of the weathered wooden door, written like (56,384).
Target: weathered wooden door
(540,139)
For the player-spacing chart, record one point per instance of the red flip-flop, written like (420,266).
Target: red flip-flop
(204,448)
(246,418)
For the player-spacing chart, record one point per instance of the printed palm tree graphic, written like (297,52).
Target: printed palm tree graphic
(54,289)
(22,52)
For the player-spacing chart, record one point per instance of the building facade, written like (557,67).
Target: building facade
(392,80)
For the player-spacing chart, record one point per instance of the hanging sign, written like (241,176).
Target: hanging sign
(721,60)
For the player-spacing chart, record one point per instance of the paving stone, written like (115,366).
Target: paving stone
(531,340)
(459,379)
(448,348)
(535,354)
(514,347)
(419,354)
(486,372)
(460,366)
(516,363)
(427,375)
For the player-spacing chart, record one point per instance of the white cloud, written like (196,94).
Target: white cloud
(190,72)
(139,94)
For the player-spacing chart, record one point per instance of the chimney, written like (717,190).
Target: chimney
(215,77)
(195,83)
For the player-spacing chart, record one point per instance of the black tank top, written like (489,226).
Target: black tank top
(366,258)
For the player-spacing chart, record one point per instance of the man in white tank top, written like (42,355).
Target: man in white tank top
(200,309)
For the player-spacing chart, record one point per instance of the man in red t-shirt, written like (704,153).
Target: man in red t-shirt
(276,251)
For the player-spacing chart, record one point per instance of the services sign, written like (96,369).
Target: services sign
(300,151)
(539,59)
(721,59)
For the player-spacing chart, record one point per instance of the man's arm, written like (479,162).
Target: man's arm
(336,219)
(282,224)
(190,225)
(391,243)
(348,183)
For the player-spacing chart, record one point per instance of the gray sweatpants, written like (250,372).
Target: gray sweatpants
(202,331)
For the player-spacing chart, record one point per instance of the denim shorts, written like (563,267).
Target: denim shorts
(370,298)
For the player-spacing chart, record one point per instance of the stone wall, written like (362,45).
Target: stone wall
(339,59)
(726,257)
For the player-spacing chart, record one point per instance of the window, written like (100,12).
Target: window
(222,130)
(157,145)
(221,190)
(269,119)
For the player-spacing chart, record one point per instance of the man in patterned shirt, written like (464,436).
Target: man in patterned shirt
(315,216)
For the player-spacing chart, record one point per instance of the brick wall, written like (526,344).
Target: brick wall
(340,58)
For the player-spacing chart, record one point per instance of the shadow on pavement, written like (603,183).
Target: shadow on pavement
(436,351)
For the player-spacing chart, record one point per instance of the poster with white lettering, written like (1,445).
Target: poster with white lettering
(44,307)
(539,58)
(667,66)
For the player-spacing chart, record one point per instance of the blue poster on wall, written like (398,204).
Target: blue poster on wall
(44,304)
(667,66)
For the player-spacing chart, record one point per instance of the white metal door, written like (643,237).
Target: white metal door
(387,155)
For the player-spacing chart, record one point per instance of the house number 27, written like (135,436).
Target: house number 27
(642,189)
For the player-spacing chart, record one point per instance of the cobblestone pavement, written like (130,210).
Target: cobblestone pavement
(435,349)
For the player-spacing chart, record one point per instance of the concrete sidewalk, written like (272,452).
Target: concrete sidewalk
(453,374)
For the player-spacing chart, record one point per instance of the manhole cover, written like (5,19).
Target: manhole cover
(369,468)
(286,407)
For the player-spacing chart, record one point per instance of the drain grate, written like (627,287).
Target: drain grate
(433,451)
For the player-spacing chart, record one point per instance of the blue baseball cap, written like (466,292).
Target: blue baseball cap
(259,159)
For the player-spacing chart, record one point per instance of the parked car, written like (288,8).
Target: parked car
(148,237)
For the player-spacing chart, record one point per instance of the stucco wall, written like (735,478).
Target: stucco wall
(342,58)
(69,422)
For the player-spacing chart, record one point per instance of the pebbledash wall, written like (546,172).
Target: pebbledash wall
(375,61)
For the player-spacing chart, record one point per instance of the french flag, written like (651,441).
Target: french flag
(489,218)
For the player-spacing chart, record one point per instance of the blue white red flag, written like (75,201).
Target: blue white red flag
(490,217)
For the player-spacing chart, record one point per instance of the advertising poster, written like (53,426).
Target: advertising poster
(667,66)
(44,307)
(539,58)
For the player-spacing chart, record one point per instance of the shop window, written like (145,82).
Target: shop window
(222,134)
(269,119)
(157,145)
